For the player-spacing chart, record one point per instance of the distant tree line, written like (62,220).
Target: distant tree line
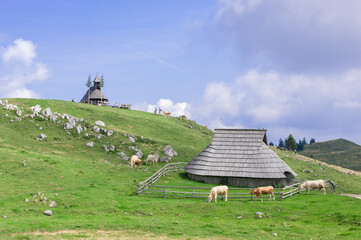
(291,144)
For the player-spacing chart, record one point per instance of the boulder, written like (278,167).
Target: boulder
(109,133)
(11,107)
(99,136)
(42,136)
(123,156)
(89,144)
(48,213)
(3,102)
(112,148)
(96,129)
(131,139)
(47,112)
(165,159)
(52,204)
(100,123)
(36,109)
(106,148)
(18,112)
(69,125)
(169,151)
(79,129)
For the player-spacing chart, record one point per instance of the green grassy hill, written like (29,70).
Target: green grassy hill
(338,152)
(95,190)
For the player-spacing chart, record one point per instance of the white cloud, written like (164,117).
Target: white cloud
(22,51)
(18,68)
(271,98)
(176,109)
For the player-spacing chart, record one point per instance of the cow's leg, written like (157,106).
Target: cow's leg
(261,198)
(308,191)
(226,197)
(274,199)
(215,197)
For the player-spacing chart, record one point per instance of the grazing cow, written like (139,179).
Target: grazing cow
(138,163)
(133,160)
(219,190)
(166,113)
(152,159)
(316,184)
(263,190)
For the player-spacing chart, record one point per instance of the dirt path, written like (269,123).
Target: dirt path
(352,195)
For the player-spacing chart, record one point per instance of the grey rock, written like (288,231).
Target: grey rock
(18,112)
(79,129)
(48,213)
(24,163)
(3,102)
(11,107)
(42,136)
(69,125)
(169,151)
(112,148)
(36,109)
(131,139)
(53,117)
(100,123)
(52,204)
(5,217)
(109,133)
(106,148)
(47,112)
(96,129)
(137,151)
(99,136)
(165,159)
(89,144)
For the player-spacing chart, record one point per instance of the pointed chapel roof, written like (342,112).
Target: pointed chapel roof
(97,79)
(239,153)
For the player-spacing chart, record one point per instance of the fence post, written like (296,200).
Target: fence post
(164,191)
(193,192)
(291,191)
(281,194)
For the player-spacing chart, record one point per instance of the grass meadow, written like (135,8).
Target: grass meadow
(95,191)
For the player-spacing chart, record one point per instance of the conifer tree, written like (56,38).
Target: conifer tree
(291,143)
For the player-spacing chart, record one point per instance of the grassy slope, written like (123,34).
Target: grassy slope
(92,194)
(338,152)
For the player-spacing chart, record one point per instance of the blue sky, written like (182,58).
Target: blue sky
(284,65)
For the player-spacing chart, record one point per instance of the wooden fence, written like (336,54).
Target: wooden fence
(147,187)
(170,167)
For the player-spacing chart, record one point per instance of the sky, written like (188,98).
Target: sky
(288,66)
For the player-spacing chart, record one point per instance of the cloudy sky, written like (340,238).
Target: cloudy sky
(288,66)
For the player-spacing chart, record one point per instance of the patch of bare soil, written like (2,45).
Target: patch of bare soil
(352,195)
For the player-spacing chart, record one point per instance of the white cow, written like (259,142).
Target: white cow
(316,184)
(219,190)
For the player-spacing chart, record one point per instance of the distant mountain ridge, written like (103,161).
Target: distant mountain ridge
(340,152)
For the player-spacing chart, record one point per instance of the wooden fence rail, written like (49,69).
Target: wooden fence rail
(171,167)
(147,187)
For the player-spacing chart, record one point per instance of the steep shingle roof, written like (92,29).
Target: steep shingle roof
(238,153)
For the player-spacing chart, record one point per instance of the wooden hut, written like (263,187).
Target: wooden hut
(94,95)
(239,157)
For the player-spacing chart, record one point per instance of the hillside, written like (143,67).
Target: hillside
(95,189)
(338,152)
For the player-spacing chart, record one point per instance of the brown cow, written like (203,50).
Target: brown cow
(263,190)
